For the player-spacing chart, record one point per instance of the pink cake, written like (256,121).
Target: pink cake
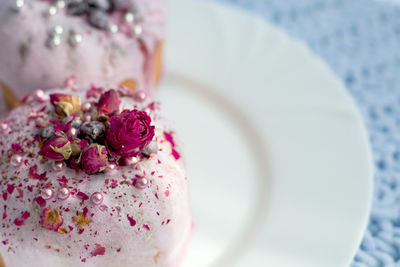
(110,41)
(91,178)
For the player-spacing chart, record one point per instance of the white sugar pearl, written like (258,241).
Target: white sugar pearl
(129,17)
(96,198)
(63,193)
(75,39)
(47,193)
(113,28)
(137,30)
(141,183)
(16,160)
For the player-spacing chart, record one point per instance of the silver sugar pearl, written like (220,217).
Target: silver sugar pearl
(52,10)
(18,5)
(54,41)
(75,39)
(58,30)
(137,30)
(60,4)
(113,28)
(129,17)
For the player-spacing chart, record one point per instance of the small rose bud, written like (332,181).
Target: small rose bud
(56,148)
(94,159)
(108,104)
(129,133)
(65,105)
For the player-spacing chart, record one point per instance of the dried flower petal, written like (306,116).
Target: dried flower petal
(82,220)
(99,250)
(62,230)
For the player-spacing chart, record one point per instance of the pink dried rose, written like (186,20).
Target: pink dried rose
(94,159)
(51,219)
(56,148)
(65,105)
(108,104)
(129,133)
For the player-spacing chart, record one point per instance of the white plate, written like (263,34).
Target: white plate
(277,155)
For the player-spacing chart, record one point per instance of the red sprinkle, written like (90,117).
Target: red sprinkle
(82,196)
(176,154)
(10,188)
(131,220)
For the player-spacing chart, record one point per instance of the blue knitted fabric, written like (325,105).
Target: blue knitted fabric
(360,40)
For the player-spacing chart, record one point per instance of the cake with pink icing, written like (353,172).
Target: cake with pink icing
(112,42)
(91,178)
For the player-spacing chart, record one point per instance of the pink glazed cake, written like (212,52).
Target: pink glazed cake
(91,178)
(112,42)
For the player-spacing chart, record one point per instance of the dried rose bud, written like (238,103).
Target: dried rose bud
(56,148)
(94,159)
(108,104)
(129,133)
(65,105)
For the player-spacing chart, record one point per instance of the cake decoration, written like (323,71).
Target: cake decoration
(63,193)
(112,192)
(113,43)
(113,137)
(107,15)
